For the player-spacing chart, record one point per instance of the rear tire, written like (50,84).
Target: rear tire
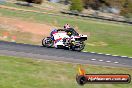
(47,42)
(43,42)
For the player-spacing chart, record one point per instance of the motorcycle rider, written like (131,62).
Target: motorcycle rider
(52,33)
(70,31)
(66,26)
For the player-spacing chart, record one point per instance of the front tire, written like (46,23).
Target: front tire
(78,48)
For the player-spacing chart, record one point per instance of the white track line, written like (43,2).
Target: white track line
(116,62)
(123,56)
(100,60)
(93,59)
(108,61)
(115,55)
(107,54)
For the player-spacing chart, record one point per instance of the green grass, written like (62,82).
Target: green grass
(117,37)
(30,73)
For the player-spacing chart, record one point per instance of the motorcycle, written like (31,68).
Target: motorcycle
(66,39)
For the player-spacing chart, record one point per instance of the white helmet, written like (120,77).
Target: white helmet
(66,26)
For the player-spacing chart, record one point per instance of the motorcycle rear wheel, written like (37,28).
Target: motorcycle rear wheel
(47,42)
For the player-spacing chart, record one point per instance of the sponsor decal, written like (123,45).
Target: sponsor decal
(83,78)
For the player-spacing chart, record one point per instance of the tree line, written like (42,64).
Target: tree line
(32,1)
(125,6)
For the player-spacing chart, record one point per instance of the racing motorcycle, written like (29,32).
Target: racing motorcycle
(66,39)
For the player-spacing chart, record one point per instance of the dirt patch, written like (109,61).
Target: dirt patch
(27,26)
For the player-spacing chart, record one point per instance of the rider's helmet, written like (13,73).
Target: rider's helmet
(66,26)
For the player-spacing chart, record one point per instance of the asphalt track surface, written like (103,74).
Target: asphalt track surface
(39,52)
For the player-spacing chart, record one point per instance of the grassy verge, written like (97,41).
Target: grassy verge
(104,37)
(29,73)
